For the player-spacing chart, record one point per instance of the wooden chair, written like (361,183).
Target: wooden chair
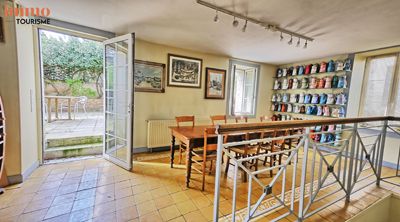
(243,151)
(200,157)
(239,119)
(218,118)
(183,119)
(264,119)
(272,147)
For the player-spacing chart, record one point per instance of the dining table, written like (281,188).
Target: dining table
(56,101)
(192,137)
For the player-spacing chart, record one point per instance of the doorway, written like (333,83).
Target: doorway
(72,84)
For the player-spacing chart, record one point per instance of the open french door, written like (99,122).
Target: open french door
(118,99)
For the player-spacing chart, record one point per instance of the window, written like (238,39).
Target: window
(243,88)
(381,92)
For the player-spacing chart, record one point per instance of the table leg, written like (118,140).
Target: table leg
(69,108)
(56,107)
(48,110)
(188,163)
(172,151)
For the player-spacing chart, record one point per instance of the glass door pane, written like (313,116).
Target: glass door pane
(118,68)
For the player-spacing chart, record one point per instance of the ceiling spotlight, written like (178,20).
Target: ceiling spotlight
(298,43)
(244,27)
(291,40)
(281,37)
(305,45)
(216,19)
(235,22)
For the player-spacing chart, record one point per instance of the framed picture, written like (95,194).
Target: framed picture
(215,83)
(2,38)
(149,77)
(184,71)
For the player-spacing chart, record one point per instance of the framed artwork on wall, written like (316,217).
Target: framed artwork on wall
(184,71)
(215,83)
(2,38)
(149,77)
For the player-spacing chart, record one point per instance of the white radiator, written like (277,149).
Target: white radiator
(159,135)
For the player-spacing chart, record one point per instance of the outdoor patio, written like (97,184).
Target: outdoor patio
(79,136)
(91,124)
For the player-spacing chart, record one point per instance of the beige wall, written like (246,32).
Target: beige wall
(187,101)
(10,93)
(27,95)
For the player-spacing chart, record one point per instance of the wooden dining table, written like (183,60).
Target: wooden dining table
(190,136)
(56,100)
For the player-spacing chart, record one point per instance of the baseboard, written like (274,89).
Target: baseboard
(14,179)
(19,178)
(30,170)
(149,150)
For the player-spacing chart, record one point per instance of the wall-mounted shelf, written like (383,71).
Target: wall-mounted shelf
(340,73)
(321,74)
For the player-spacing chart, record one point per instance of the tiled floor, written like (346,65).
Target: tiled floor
(97,190)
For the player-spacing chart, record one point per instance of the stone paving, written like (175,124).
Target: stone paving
(91,124)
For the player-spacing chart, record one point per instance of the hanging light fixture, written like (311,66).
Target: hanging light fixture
(216,19)
(291,40)
(305,45)
(298,43)
(235,22)
(281,37)
(244,27)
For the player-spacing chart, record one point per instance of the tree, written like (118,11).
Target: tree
(72,58)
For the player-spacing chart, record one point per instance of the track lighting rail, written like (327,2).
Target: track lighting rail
(266,25)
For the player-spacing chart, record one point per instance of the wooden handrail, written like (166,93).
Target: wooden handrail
(233,128)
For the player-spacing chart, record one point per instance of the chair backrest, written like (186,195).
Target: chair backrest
(264,118)
(241,118)
(218,118)
(82,99)
(183,119)
(208,145)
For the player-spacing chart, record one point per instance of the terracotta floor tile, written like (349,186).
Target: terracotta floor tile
(37,205)
(83,203)
(103,198)
(146,207)
(125,202)
(142,197)
(195,216)
(164,201)
(169,213)
(33,216)
(104,208)
(66,198)
(127,214)
(81,215)
(159,192)
(121,193)
(140,188)
(83,194)
(179,197)
(186,207)
(202,201)
(207,212)
(58,210)
(61,218)
(151,217)
(178,219)
(67,189)
(110,217)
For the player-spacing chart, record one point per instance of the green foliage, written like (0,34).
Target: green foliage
(71,58)
(77,88)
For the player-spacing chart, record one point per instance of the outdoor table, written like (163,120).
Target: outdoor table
(56,98)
